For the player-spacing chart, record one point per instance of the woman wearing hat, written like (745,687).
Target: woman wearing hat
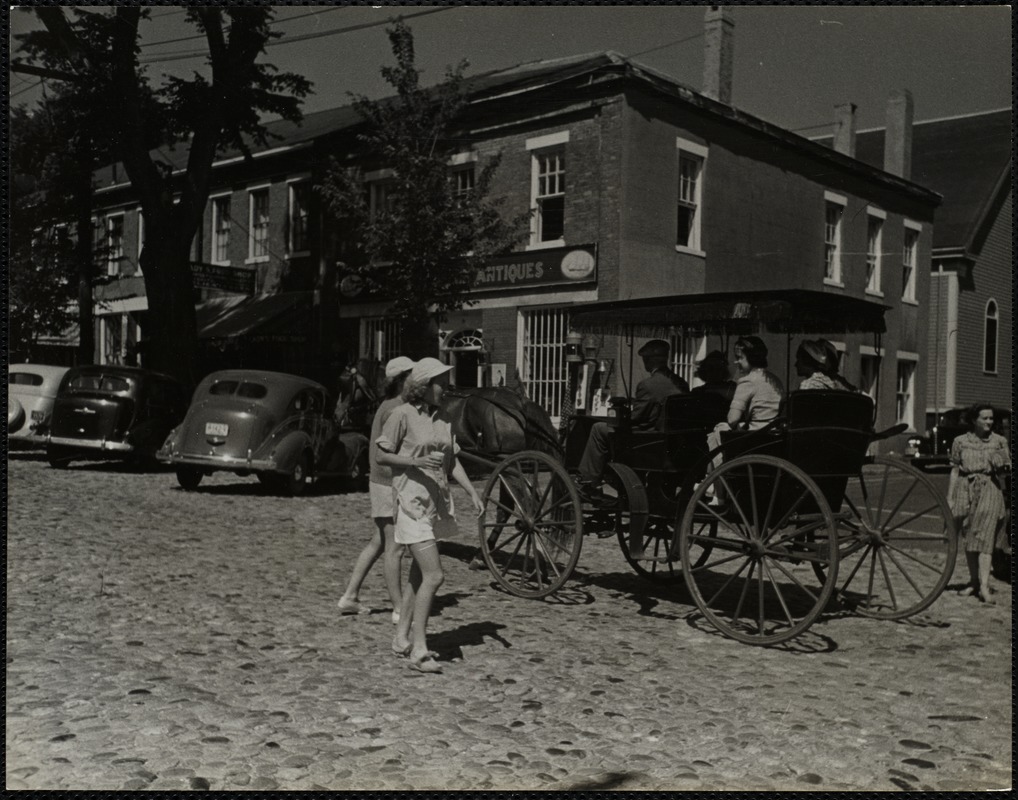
(418,445)
(380,492)
(816,362)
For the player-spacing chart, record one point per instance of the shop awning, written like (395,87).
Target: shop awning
(284,317)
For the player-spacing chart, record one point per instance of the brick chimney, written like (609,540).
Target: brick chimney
(898,136)
(844,128)
(718,53)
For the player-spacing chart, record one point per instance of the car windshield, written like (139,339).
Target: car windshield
(248,389)
(23,379)
(95,382)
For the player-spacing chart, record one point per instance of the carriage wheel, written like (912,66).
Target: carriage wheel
(657,563)
(532,526)
(898,545)
(748,559)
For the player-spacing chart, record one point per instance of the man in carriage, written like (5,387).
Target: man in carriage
(651,394)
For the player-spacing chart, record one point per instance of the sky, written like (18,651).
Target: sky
(793,64)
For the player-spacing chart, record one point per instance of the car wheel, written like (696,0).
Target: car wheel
(15,414)
(189,478)
(295,483)
(58,457)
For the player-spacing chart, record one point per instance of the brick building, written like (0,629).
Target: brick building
(967,159)
(638,186)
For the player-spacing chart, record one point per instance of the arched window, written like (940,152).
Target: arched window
(990,337)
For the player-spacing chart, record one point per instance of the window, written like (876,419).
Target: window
(381,339)
(990,337)
(909,261)
(550,195)
(869,367)
(685,351)
(905,391)
(114,243)
(298,217)
(380,198)
(834,211)
(689,208)
(258,224)
(543,353)
(874,240)
(462,181)
(221,230)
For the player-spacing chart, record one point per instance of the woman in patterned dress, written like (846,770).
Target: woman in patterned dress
(979,460)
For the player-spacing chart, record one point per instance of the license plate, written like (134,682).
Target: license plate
(216,429)
(38,416)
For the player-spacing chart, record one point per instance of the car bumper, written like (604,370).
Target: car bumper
(926,460)
(90,444)
(230,463)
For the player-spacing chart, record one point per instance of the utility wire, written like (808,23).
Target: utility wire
(667,44)
(274,22)
(300,38)
(27,88)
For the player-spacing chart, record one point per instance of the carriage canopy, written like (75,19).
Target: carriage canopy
(791,311)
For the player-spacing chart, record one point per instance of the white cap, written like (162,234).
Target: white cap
(428,368)
(397,366)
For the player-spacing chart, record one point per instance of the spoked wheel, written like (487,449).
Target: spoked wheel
(898,545)
(631,505)
(748,552)
(532,526)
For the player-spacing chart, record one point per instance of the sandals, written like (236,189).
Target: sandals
(404,652)
(427,665)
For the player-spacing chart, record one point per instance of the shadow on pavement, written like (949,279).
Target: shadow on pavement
(444,601)
(645,593)
(610,780)
(806,643)
(450,644)
(120,467)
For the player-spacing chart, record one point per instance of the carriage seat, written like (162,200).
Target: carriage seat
(692,411)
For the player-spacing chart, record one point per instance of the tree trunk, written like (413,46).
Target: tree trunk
(84,258)
(172,345)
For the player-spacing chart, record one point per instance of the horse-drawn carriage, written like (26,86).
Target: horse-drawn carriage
(807,514)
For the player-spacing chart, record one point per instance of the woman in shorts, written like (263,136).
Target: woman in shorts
(419,447)
(380,492)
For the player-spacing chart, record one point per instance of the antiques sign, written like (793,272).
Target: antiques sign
(552,267)
(227,279)
(556,265)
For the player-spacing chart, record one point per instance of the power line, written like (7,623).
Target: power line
(300,38)
(667,44)
(274,22)
(27,88)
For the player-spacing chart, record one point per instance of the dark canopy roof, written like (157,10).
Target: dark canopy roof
(800,311)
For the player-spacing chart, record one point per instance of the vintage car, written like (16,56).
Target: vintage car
(274,426)
(107,411)
(934,448)
(31,392)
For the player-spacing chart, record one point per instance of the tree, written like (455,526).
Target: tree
(421,243)
(210,114)
(41,274)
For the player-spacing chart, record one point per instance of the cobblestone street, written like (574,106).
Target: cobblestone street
(164,640)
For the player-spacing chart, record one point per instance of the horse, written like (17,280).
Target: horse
(495,421)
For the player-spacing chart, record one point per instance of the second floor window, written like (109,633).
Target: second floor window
(690,202)
(380,198)
(905,391)
(874,235)
(259,227)
(909,261)
(299,216)
(221,229)
(462,182)
(114,243)
(832,241)
(550,195)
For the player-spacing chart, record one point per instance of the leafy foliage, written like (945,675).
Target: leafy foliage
(419,241)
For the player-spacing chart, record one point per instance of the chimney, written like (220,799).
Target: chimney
(718,53)
(844,129)
(898,136)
